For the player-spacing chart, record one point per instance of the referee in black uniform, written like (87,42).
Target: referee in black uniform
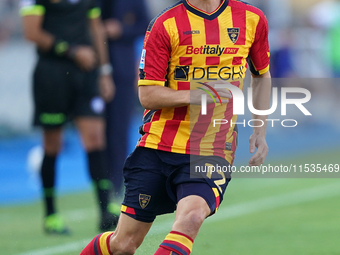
(72,79)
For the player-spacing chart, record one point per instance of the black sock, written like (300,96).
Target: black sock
(100,178)
(48,180)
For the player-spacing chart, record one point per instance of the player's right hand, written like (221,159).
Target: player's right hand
(258,141)
(85,57)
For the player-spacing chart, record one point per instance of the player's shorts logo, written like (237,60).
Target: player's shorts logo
(233,34)
(144,200)
(181,73)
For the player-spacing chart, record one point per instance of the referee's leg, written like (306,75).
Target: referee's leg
(93,137)
(52,145)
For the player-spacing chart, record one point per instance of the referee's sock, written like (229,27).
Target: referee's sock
(100,178)
(99,245)
(47,175)
(175,243)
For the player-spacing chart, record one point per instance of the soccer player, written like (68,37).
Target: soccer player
(193,42)
(71,81)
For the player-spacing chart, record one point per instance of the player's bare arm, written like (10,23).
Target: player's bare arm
(159,97)
(261,85)
(107,88)
(33,31)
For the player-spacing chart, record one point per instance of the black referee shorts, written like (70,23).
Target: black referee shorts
(62,92)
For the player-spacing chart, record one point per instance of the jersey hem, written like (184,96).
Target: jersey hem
(173,149)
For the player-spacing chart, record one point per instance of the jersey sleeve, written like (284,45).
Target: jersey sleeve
(155,55)
(259,54)
(32,7)
(94,11)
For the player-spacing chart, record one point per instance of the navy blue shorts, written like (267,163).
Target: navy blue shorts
(156,180)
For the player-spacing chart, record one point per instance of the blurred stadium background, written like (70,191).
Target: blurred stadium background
(258,216)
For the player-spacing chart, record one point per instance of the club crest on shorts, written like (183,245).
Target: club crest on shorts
(233,34)
(144,200)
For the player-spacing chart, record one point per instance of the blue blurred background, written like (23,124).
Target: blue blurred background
(304,40)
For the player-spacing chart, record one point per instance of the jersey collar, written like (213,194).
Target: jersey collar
(206,15)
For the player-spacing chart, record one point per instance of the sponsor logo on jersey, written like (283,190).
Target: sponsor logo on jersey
(144,200)
(211,73)
(191,32)
(210,50)
(233,34)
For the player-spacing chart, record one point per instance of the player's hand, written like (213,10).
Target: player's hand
(107,87)
(113,28)
(259,142)
(195,94)
(85,57)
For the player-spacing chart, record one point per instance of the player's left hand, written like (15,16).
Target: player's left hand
(259,142)
(107,87)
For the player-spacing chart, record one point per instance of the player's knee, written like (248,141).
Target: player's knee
(195,218)
(94,141)
(190,222)
(52,147)
(52,141)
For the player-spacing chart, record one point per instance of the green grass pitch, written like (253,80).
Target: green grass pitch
(258,217)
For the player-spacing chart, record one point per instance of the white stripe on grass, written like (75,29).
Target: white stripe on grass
(232,211)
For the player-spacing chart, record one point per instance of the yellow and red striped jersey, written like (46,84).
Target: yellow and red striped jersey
(184,45)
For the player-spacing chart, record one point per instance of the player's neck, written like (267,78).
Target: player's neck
(206,5)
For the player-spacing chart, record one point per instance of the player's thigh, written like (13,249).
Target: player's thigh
(129,233)
(91,130)
(146,195)
(52,93)
(208,183)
